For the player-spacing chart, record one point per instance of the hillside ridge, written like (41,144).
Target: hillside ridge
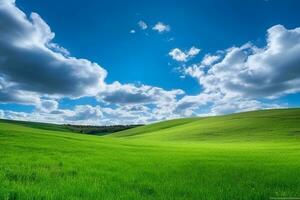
(261,124)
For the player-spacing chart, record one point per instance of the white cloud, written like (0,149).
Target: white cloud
(227,106)
(210,59)
(7,1)
(32,65)
(255,72)
(178,55)
(47,105)
(92,115)
(193,51)
(85,114)
(132,31)
(127,94)
(9,93)
(187,105)
(55,47)
(248,73)
(161,27)
(184,56)
(142,25)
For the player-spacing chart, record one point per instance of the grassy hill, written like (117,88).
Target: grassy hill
(266,125)
(253,155)
(84,129)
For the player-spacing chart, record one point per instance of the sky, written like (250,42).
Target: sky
(131,62)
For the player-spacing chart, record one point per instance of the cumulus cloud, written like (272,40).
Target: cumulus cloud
(210,59)
(84,113)
(142,25)
(87,114)
(245,74)
(48,105)
(226,106)
(11,94)
(184,56)
(81,114)
(117,93)
(187,105)
(161,27)
(129,114)
(254,72)
(31,63)
(23,116)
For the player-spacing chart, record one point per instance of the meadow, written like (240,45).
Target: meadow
(248,156)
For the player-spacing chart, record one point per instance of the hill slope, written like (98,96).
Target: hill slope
(249,156)
(256,125)
(84,129)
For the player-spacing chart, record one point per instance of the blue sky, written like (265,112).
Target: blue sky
(142,73)
(99,31)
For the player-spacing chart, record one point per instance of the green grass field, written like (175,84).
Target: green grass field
(253,155)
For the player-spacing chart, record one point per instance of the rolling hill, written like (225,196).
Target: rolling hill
(84,129)
(265,125)
(251,155)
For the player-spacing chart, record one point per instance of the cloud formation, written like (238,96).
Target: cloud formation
(30,63)
(184,56)
(142,25)
(161,27)
(48,105)
(238,78)
(126,94)
(209,59)
(254,72)
(87,114)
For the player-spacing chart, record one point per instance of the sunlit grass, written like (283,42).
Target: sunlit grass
(252,155)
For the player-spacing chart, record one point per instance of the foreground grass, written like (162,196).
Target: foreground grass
(252,155)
